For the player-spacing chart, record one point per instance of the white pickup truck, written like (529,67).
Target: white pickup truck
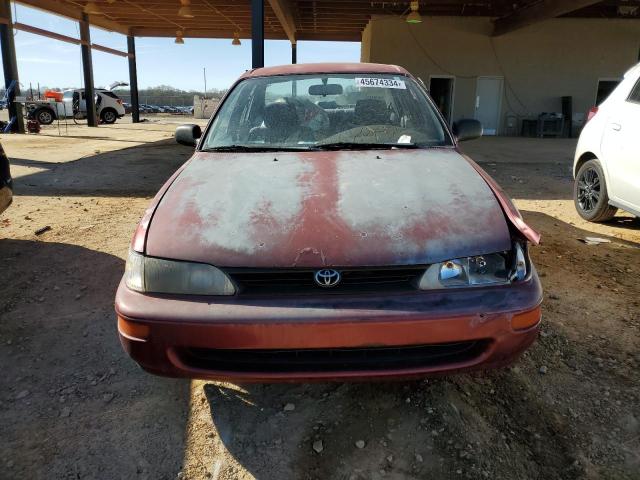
(109,106)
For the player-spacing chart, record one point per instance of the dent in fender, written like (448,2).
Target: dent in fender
(507,205)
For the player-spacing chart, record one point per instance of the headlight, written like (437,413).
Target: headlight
(491,269)
(155,275)
(134,271)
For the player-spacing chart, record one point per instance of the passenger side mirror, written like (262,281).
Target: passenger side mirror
(188,134)
(467,129)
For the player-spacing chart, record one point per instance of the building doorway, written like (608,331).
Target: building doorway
(489,103)
(441,91)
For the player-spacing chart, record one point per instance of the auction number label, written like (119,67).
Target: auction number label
(380,82)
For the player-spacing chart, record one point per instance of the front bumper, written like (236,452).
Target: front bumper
(162,332)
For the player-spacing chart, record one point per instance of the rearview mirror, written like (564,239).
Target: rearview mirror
(467,129)
(188,134)
(324,90)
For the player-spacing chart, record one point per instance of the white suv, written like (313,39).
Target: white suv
(607,162)
(109,106)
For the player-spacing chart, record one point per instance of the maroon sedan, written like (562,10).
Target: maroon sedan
(328,227)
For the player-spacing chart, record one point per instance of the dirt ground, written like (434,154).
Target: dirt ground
(72,405)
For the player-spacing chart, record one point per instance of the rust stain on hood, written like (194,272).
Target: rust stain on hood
(313,209)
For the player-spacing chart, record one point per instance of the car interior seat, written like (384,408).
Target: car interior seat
(371,111)
(280,122)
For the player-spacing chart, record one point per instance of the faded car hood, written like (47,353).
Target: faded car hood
(313,209)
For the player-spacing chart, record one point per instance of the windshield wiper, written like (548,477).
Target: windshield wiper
(319,146)
(252,148)
(362,146)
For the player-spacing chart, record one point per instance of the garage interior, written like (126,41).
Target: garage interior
(72,405)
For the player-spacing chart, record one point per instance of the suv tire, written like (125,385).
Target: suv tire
(108,115)
(590,193)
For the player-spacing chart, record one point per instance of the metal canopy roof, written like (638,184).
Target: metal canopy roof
(314,19)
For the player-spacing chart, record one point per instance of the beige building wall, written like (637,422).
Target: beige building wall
(204,107)
(539,63)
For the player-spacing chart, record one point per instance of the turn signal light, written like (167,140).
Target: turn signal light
(522,321)
(133,331)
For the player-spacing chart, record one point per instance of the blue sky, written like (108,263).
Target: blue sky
(160,61)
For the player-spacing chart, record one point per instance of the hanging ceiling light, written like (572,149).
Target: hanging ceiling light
(179,40)
(92,9)
(414,16)
(236,39)
(185,9)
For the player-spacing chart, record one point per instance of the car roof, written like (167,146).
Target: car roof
(309,68)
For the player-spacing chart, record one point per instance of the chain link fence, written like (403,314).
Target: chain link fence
(159,100)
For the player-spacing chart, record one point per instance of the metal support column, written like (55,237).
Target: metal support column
(133,80)
(294,53)
(10,64)
(257,33)
(87,69)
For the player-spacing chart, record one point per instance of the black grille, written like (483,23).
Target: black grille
(332,359)
(301,281)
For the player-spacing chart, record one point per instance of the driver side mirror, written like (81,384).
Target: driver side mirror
(188,134)
(467,129)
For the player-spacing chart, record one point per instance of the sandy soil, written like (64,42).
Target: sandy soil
(72,405)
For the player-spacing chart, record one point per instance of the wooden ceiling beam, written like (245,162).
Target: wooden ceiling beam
(74,13)
(294,20)
(331,36)
(65,38)
(112,51)
(537,12)
(46,33)
(202,33)
(346,35)
(283,10)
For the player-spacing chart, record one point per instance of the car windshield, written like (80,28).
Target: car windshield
(326,111)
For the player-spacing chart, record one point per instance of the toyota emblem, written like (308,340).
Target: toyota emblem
(327,278)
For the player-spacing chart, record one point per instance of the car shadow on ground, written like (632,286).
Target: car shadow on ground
(624,221)
(72,404)
(142,169)
(314,430)
(554,229)
(432,428)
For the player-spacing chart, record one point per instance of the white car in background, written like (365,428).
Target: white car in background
(109,107)
(607,162)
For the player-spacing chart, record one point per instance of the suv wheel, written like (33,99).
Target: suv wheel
(590,193)
(109,115)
